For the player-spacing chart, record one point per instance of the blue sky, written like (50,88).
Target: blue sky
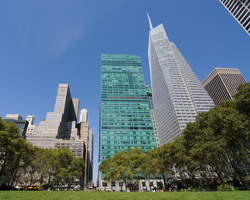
(44,43)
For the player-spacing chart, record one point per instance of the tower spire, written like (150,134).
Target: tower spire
(149,20)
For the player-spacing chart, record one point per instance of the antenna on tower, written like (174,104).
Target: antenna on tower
(150,23)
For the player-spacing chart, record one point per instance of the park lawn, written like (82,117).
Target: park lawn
(94,195)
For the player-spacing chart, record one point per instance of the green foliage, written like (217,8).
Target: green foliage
(208,149)
(225,187)
(242,99)
(22,163)
(14,152)
(128,166)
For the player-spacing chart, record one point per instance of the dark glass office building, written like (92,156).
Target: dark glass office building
(21,124)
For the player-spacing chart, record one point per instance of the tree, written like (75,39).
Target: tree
(128,166)
(242,99)
(160,161)
(8,133)
(23,157)
(76,169)
(21,162)
(217,139)
(43,165)
(208,149)
(10,156)
(61,160)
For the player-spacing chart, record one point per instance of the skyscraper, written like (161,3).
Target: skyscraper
(240,10)
(222,83)
(83,115)
(30,119)
(31,126)
(85,136)
(60,129)
(60,124)
(91,155)
(178,95)
(125,120)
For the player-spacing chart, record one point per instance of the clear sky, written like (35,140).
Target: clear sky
(44,43)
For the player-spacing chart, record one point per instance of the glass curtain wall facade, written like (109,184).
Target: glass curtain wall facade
(21,124)
(125,120)
(178,95)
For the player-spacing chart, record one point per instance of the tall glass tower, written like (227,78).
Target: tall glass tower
(178,95)
(125,119)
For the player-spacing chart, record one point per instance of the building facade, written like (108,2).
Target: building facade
(240,10)
(13,116)
(178,95)
(77,147)
(222,83)
(60,124)
(86,136)
(150,100)
(31,126)
(125,119)
(20,123)
(30,119)
(84,115)
(60,129)
(90,157)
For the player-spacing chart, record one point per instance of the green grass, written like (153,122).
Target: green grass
(80,195)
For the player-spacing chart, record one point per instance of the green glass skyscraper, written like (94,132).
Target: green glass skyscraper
(125,119)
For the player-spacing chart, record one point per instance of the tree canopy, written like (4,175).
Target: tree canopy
(214,148)
(24,164)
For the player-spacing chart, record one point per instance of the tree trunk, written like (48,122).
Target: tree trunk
(164,181)
(16,168)
(237,170)
(48,180)
(69,184)
(31,177)
(125,181)
(41,180)
(3,168)
(13,177)
(219,176)
(149,183)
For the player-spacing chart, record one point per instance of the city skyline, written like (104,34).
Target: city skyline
(44,44)
(60,129)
